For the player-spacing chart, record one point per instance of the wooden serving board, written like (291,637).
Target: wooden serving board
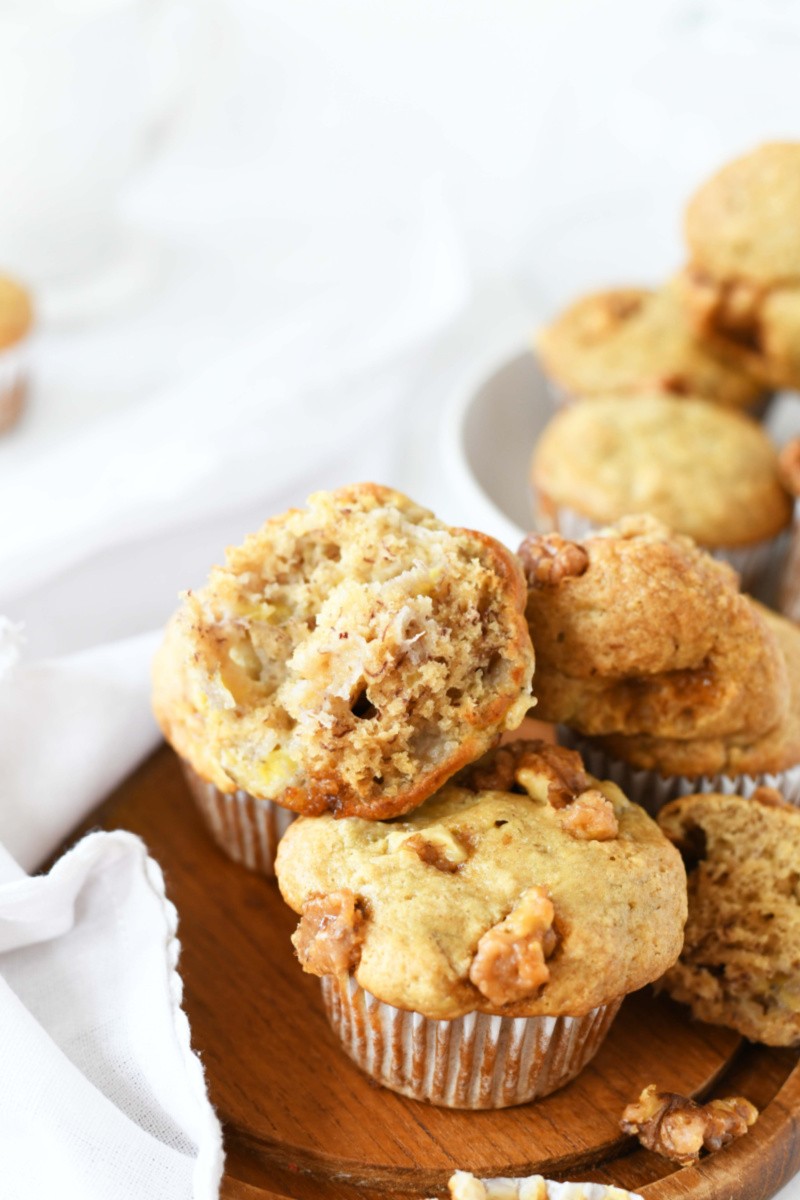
(301,1121)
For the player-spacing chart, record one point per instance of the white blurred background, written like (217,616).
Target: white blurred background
(267,240)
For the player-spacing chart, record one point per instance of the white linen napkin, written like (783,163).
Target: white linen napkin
(102,1095)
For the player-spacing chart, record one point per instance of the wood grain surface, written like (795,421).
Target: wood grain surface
(302,1122)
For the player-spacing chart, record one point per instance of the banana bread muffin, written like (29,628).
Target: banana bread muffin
(682,683)
(523,889)
(630,340)
(740,964)
(742,284)
(16,321)
(705,472)
(640,632)
(348,658)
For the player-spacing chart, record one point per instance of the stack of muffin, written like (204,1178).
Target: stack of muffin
(676,378)
(477,914)
(343,691)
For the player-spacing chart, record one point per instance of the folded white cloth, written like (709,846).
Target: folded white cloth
(102,1095)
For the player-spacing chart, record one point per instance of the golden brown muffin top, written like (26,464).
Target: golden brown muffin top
(742,285)
(740,753)
(740,964)
(630,340)
(704,471)
(350,656)
(640,632)
(16,311)
(553,898)
(744,222)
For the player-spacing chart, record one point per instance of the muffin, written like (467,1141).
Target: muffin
(630,340)
(475,953)
(16,319)
(789,599)
(740,964)
(348,658)
(664,676)
(704,472)
(465,1186)
(742,284)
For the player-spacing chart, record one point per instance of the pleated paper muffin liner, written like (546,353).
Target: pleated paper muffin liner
(752,563)
(13,383)
(476,1061)
(247,829)
(652,791)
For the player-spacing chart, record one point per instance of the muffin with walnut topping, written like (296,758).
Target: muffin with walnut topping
(474,953)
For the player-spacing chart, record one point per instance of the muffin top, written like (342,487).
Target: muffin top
(630,340)
(640,632)
(742,752)
(744,222)
(552,899)
(348,657)
(16,311)
(741,287)
(705,472)
(740,964)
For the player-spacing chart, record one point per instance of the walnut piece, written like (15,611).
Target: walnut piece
(444,850)
(509,963)
(678,1128)
(329,936)
(547,559)
(521,762)
(590,817)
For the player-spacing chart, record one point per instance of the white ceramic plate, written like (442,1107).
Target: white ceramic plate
(491,425)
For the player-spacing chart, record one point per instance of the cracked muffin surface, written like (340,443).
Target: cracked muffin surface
(349,657)
(487,900)
(707,473)
(628,340)
(742,284)
(639,632)
(740,964)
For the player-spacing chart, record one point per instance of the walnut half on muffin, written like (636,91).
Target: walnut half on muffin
(349,657)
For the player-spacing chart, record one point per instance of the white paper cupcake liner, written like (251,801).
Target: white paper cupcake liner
(752,563)
(14,363)
(247,829)
(475,1061)
(652,791)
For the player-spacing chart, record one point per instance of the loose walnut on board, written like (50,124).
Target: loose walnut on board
(678,1128)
